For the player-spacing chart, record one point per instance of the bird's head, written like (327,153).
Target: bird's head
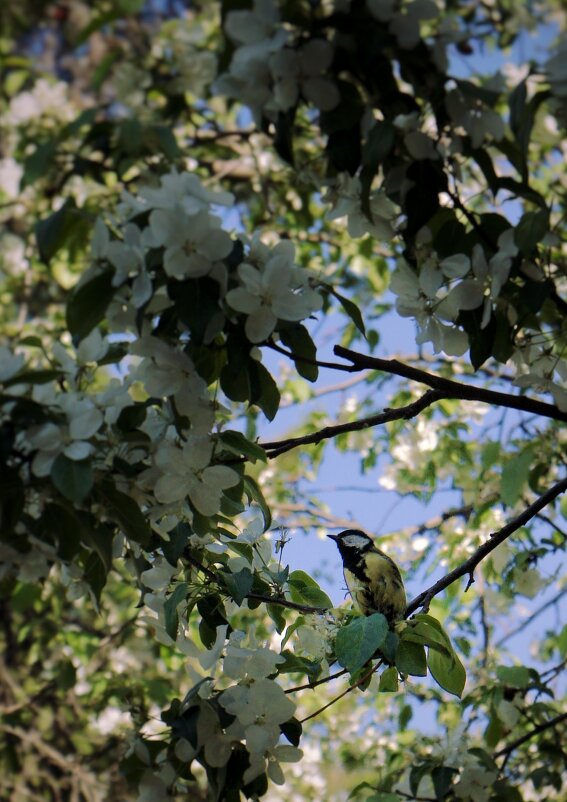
(352,541)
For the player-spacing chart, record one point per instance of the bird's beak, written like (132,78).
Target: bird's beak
(334,537)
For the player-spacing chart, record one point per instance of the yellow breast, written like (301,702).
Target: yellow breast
(380,590)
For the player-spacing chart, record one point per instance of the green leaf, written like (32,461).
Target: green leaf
(234,378)
(428,636)
(73,479)
(389,680)
(352,311)
(53,232)
(127,512)
(95,574)
(276,613)
(515,475)
(38,162)
(442,777)
(236,443)
(165,138)
(379,144)
(304,590)
(531,230)
(12,499)
(299,342)
(447,671)
(294,664)
(239,584)
(88,303)
(170,608)
(197,304)
(292,730)
(265,393)
(490,453)
(60,525)
(33,377)
(432,629)
(516,676)
(410,659)
(175,546)
(517,104)
(253,493)
(283,139)
(358,641)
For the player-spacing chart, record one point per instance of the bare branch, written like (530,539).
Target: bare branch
(350,688)
(496,538)
(447,388)
(532,617)
(308,361)
(277,447)
(317,682)
(546,725)
(281,602)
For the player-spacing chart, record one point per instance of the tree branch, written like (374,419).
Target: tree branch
(531,734)
(447,388)
(316,682)
(496,538)
(277,447)
(279,600)
(296,357)
(557,598)
(350,688)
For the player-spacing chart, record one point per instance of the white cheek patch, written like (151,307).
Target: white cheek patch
(355,541)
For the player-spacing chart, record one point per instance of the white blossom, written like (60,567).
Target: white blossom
(275,289)
(45,99)
(345,196)
(192,241)
(187,472)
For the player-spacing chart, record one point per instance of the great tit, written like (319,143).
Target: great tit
(373,578)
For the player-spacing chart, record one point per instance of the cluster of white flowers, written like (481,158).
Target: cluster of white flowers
(543,371)
(412,450)
(46,99)
(78,416)
(272,286)
(269,71)
(345,196)
(475,781)
(428,297)
(260,706)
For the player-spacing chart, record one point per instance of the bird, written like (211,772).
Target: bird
(373,579)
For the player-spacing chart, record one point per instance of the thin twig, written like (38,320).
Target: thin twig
(350,688)
(280,601)
(496,538)
(531,734)
(532,617)
(315,683)
(308,361)
(277,447)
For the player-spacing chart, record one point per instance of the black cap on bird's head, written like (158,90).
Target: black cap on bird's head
(352,541)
